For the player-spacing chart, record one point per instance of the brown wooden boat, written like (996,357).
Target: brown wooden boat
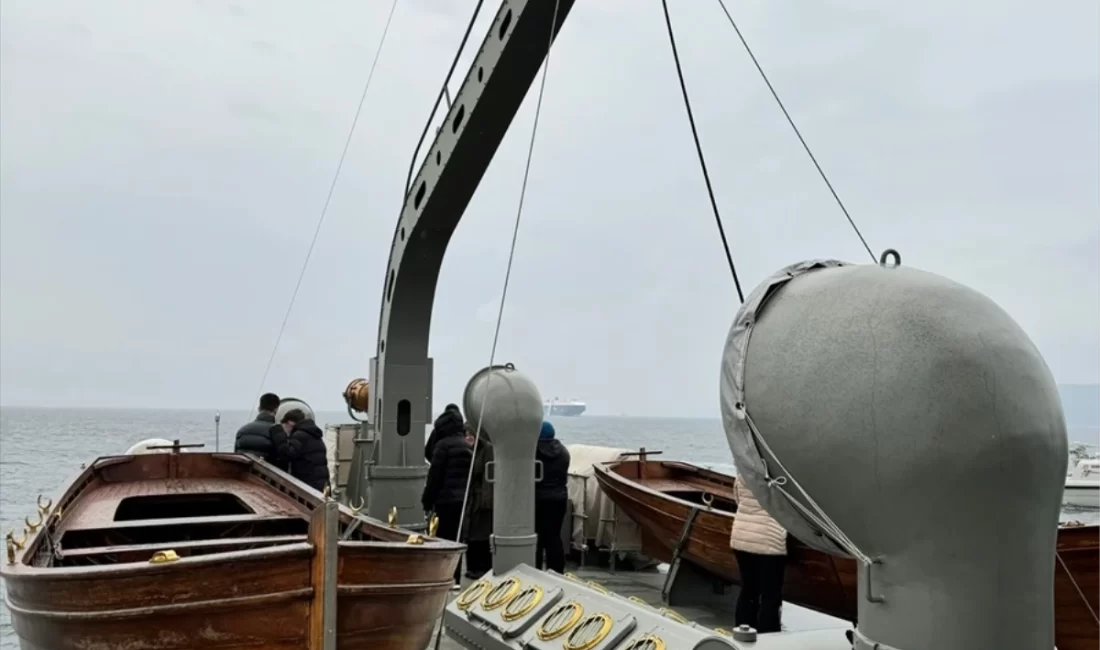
(207,550)
(660,495)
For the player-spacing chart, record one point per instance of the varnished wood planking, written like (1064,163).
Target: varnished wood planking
(389,594)
(817,580)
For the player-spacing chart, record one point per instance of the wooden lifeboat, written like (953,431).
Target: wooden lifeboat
(208,550)
(661,495)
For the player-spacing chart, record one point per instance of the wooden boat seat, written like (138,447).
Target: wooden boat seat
(670,485)
(176,521)
(174,531)
(132,552)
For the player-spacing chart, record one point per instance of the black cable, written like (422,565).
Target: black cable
(798,133)
(439,97)
(324,208)
(699,150)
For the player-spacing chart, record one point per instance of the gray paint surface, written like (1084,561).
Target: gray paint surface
(504,402)
(401,374)
(946,424)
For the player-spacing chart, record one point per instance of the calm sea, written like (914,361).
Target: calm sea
(42,449)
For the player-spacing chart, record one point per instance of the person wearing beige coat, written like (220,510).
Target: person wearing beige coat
(760,544)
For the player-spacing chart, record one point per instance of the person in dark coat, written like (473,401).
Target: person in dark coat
(551,499)
(433,437)
(445,489)
(263,437)
(306,450)
(479,555)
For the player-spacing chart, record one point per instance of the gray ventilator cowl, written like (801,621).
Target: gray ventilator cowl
(506,404)
(893,415)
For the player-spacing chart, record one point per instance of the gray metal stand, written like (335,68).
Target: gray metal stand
(686,585)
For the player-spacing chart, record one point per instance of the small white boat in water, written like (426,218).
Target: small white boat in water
(1083,485)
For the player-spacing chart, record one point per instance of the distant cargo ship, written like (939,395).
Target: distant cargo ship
(567,408)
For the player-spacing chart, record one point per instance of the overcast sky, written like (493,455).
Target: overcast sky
(163,165)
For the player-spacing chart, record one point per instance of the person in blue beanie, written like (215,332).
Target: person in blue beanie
(551,499)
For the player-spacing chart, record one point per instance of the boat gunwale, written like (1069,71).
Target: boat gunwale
(393,588)
(606,469)
(1081,532)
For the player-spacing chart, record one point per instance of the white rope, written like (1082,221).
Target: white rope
(324,208)
(814,512)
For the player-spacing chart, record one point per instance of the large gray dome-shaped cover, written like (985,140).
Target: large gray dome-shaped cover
(905,404)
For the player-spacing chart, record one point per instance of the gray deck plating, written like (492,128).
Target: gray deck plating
(646,585)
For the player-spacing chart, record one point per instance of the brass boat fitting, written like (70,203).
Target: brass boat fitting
(356,509)
(392,519)
(164,557)
(19,543)
(44,508)
(33,527)
(433,525)
(357,395)
(13,546)
(415,539)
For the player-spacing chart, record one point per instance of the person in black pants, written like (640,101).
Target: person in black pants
(445,488)
(760,545)
(479,509)
(551,499)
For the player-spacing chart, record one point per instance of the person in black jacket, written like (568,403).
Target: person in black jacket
(433,437)
(551,499)
(306,450)
(445,488)
(479,508)
(263,437)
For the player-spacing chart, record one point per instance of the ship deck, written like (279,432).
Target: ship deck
(646,585)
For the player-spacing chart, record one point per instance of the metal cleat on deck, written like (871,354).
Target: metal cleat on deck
(535,610)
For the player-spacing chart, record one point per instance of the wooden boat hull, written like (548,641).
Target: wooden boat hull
(813,579)
(389,593)
(660,496)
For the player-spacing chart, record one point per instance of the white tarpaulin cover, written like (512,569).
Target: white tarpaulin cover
(585,496)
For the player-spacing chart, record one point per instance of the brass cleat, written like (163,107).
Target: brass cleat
(415,539)
(44,508)
(164,557)
(18,543)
